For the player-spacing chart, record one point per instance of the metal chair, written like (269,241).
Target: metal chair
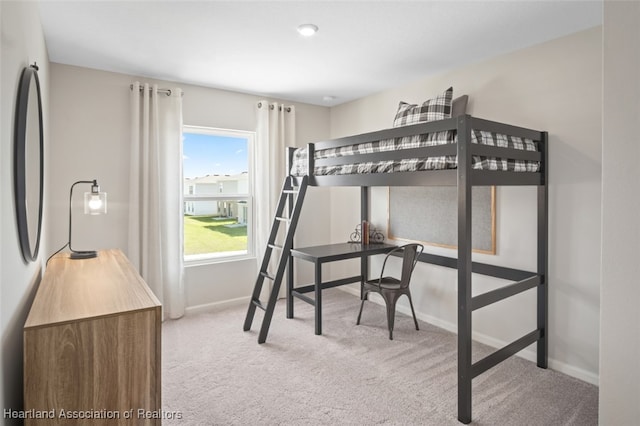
(392,288)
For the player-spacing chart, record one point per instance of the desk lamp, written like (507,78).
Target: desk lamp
(95,202)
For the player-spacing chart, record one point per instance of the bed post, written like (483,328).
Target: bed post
(311,163)
(364,215)
(543,255)
(288,161)
(464,269)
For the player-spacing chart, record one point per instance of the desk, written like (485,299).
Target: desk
(319,255)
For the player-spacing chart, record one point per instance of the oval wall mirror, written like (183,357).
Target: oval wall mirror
(29,162)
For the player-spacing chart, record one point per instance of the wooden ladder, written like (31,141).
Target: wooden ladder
(291,196)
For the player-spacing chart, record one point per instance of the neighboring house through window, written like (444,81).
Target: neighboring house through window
(218,193)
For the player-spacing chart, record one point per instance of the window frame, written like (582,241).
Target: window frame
(212,258)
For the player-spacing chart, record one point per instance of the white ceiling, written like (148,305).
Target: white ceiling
(362,47)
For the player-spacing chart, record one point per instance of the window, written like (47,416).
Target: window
(218,194)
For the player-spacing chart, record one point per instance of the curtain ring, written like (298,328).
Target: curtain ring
(272,106)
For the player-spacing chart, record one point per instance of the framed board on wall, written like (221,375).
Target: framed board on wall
(430,215)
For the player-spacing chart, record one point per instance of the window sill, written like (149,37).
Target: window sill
(212,259)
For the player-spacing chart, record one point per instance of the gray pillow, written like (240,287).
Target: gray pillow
(459,105)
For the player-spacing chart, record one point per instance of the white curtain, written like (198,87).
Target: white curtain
(276,130)
(155,197)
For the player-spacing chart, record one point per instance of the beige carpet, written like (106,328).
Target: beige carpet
(216,374)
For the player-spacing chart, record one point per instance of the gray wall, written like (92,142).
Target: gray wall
(555,86)
(22,44)
(620,292)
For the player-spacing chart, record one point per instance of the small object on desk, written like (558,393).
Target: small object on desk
(365,232)
(371,235)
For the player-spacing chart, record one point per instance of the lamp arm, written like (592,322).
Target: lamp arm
(93,182)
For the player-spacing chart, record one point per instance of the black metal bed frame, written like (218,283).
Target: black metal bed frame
(464,177)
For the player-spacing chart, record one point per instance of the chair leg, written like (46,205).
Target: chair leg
(364,297)
(391,316)
(391,300)
(412,311)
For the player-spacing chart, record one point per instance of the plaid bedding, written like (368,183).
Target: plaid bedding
(299,166)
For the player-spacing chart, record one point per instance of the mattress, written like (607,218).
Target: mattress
(299,165)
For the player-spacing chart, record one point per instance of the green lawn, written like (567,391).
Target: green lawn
(208,234)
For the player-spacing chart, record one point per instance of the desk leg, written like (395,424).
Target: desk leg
(290,288)
(318,305)
(364,272)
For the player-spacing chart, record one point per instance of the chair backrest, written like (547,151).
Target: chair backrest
(409,259)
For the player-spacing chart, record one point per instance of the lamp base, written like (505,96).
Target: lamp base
(83,254)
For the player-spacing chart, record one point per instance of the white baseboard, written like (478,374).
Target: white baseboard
(216,306)
(578,373)
(350,290)
(527,354)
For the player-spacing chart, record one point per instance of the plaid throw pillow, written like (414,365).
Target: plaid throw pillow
(434,109)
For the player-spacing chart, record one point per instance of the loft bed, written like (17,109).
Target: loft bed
(426,154)
(463,151)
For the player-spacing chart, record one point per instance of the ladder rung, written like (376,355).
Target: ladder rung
(275,246)
(266,275)
(259,304)
(290,191)
(283,219)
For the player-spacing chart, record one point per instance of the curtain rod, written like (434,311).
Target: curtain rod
(165,91)
(271,106)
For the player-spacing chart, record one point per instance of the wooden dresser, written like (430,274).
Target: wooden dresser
(92,345)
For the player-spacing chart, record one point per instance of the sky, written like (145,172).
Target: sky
(210,154)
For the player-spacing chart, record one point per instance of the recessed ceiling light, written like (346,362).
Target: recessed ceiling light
(307,30)
(328,98)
